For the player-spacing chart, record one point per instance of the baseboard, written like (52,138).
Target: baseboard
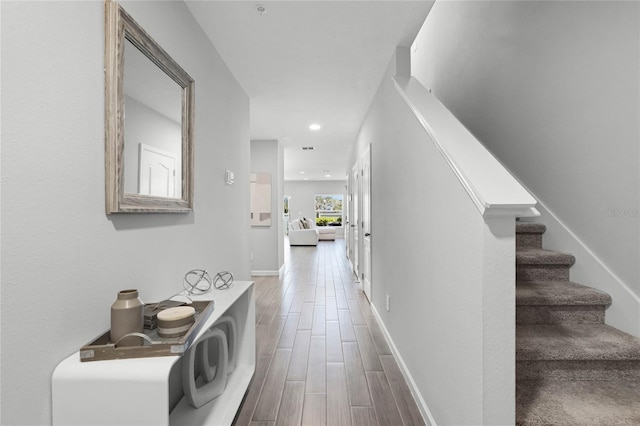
(591,271)
(265,273)
(422,405)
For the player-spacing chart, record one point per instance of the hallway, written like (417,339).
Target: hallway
(321,355)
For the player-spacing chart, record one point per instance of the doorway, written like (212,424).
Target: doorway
(157,172)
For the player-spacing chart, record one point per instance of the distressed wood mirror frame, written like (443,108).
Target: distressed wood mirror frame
(119,26)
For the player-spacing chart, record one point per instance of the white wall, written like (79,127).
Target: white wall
(267,244)
(451,304)
(551,88)
(63,259)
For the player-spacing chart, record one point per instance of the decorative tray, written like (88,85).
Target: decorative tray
(101,348)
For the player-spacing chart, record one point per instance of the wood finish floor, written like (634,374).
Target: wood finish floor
(321,356)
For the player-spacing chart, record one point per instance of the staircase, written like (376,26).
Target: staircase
(571,368)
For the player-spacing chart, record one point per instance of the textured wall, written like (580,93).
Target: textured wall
(63,259)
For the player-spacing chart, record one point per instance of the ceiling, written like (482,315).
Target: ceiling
(304,62)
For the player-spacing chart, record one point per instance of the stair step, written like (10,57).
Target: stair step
(529,234)
(577,402)
(535,264)
(559,302)
(571,368)
(576,352)
(575,341)
(530,227)
(532,256)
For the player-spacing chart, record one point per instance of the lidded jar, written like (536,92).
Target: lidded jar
(127,316)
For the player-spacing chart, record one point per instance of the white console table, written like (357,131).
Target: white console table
(140,391)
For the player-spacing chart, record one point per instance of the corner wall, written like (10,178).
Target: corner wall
(267,243)
(552,90)
(63,259)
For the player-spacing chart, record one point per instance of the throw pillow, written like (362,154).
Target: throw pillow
(305,224)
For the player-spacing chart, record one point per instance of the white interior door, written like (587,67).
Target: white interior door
(366,223)
(157,172)
(354,225)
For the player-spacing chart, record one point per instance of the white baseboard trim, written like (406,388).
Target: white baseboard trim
(422,405)
(265,273)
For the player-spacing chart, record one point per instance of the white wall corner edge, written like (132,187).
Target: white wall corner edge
(413,387)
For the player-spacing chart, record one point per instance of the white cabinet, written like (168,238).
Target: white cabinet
(141,391)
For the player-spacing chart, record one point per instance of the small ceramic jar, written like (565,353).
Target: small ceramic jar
(127,316)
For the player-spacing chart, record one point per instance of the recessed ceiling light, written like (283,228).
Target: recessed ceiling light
(327,175)
(315,127)
(302,173)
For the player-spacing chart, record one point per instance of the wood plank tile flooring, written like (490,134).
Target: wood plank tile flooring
(321,356)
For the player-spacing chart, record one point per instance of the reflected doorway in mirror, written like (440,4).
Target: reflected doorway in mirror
(157,172)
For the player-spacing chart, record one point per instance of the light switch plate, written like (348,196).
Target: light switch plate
(228,176)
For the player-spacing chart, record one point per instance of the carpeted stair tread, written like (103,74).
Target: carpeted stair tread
(578,402)
(537,256)
(559,293)
(574,342)
(530,228)
(529,234)
(571,368)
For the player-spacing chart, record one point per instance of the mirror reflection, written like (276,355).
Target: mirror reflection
(152,128)
(149,117)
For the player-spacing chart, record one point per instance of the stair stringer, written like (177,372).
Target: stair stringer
(590,270)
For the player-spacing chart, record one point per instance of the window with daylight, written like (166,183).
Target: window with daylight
(328,209)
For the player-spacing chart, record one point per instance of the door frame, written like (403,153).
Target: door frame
(354,218)
(365,200)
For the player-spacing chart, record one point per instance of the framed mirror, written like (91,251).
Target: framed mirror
(149,114)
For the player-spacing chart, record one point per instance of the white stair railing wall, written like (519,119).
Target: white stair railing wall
(448,263)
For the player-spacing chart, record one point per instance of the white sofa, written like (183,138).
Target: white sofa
(309,235)
(299,235)
(326,233)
